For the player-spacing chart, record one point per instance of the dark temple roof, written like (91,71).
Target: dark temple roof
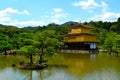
(80,25)
(77,34)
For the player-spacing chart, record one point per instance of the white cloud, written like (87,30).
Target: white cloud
(10,11)
(57,10)
(106,16)
(86,5)
(22,23)
(90,5)
(6,18)
(24,12)
(56,15)
(104,6)
(27,23)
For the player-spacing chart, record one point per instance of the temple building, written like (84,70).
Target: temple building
(80,37)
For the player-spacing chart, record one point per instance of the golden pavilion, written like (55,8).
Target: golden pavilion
(80,37)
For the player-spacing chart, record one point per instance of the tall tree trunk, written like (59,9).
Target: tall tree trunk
(41,55)
(31,59)
(5,52)
(110,50)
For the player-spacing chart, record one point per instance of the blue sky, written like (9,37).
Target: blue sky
(23,13)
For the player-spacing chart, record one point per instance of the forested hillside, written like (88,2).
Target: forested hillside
(109,26)
(14,38)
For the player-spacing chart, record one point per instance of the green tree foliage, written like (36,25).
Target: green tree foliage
(112,42)
(101,33)
(4,43)
(113,28)
(46,42)
(108,40)
(28,51)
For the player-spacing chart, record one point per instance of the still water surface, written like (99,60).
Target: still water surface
(64,67)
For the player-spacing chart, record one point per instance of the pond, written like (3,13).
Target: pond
(64,67)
